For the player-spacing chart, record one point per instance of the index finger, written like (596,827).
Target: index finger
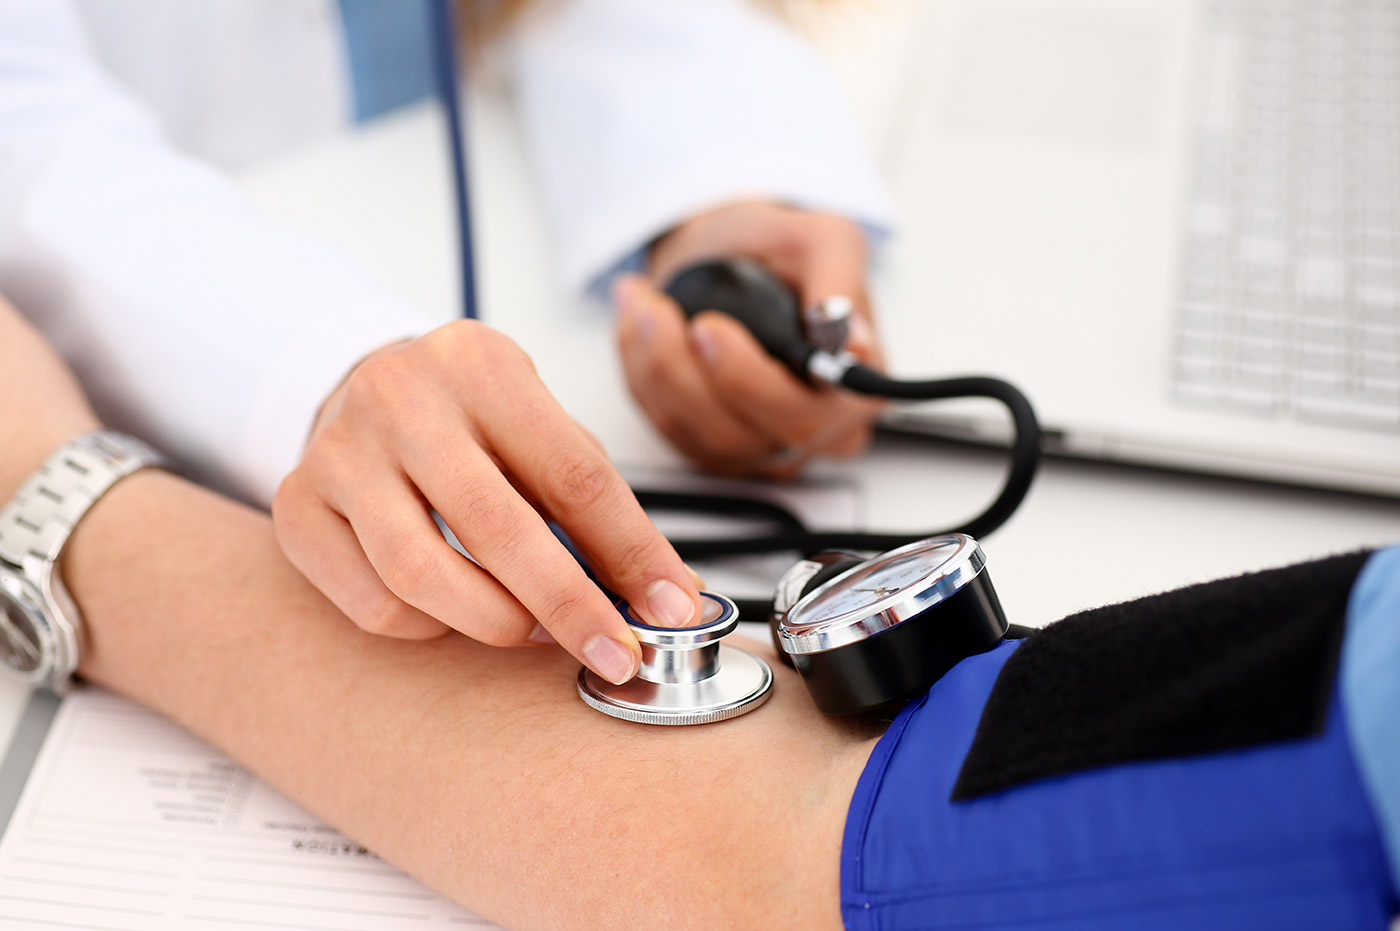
(574,481)
(510,540)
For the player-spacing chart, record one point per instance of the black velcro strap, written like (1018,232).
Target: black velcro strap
(1211,667)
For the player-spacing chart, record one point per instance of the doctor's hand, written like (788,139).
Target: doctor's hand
(458,422)
(707,384)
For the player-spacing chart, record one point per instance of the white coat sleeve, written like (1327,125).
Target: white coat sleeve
(638,114)
(191,322)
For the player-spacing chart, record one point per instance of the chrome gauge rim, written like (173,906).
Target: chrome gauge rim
(881,593)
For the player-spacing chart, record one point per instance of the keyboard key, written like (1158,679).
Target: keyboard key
(1320,277)
(1348,412)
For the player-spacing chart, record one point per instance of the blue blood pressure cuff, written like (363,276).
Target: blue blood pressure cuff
(1222,665)
(1239,778)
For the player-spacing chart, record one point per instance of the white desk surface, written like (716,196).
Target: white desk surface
(1087,534)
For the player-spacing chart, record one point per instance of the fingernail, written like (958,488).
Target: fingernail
(861,338)
(625,291)
(704,342)
(644,323)
(609,659)
(669,605)
(540,635)
(636,312)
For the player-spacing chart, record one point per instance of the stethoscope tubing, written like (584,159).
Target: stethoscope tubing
(790,534)
(446,67)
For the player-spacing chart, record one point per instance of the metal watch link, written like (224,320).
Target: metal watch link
(41,632)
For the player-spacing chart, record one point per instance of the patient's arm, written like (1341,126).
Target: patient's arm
(475,768)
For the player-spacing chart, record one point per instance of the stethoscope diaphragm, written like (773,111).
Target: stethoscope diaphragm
(687,675)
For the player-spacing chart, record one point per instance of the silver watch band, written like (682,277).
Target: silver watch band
(37,521)
(41,633)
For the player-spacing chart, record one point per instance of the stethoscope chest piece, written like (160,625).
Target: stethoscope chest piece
(687,675)
(886,628)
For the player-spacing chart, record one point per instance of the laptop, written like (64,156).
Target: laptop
(1175,224)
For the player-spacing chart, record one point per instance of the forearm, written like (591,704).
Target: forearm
(477,769)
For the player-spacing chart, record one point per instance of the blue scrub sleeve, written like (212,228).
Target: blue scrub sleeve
(1371,689)
(387,48)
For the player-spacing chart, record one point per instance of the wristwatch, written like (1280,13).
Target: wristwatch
(41,631)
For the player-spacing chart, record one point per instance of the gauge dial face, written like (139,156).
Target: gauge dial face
(885,590)
(871,585)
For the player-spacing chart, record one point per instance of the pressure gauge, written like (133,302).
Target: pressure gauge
(887,628)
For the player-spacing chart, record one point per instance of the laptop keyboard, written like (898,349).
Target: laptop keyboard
(1290,291)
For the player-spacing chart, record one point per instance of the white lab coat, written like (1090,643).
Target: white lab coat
(200,327)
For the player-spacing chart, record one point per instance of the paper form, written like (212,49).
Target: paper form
(129,823)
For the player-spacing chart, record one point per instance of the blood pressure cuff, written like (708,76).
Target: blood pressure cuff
(1231,663)
(1281,833)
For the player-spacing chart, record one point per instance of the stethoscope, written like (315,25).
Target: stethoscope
(865,632)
